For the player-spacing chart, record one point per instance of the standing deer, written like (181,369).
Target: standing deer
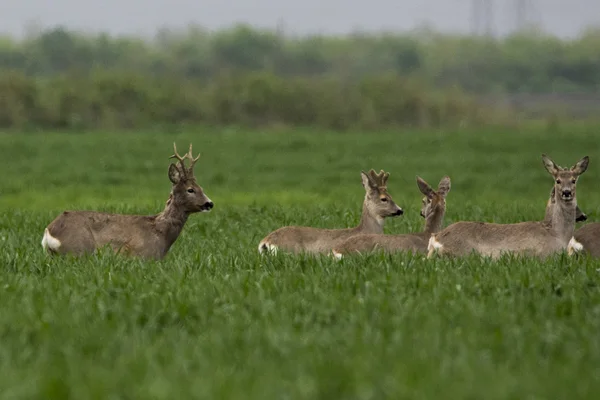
(378,205)
(80,232)
(540,238)
(433,210)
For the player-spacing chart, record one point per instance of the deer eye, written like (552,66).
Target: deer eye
(190,190)
(558,181)
(573,180)
(383,199)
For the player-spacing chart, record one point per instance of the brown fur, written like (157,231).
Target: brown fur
(433,210)
(589,237)
(580,216)
(81,232)
(540,238)
(378,204)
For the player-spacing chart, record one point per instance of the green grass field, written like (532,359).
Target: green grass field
(214,320)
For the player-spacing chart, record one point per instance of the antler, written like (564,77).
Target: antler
(188,155)
(192,159)
(177,156)
(380,178)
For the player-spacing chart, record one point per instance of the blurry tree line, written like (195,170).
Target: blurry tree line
(61,78)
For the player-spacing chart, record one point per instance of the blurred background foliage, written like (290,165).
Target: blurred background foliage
(58,78)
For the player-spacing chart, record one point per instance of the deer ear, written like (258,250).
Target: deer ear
(549,164)
(581,165)
(366,181)
(444,186)
(174,174)
(424,187)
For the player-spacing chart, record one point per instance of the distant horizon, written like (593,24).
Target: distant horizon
(330,17)
(32,29)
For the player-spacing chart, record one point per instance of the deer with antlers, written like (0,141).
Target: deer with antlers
(80,232)
(433,210)
(377,206)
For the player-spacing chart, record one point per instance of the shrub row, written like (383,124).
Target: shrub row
(121,100)
(520,63)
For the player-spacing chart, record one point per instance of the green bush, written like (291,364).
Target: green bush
(525,62)
(124,100)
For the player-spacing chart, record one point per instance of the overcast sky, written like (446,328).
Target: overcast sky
(561,17)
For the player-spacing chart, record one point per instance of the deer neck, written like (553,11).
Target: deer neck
(563,219)
(170,221)
(369,222)
(549,212)
(434,221)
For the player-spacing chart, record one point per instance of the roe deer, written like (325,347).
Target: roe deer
(580,216)
(79,232)
(433,210)
(588,234)
(540,238)
(378,204)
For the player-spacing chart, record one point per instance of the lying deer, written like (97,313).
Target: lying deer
(580,216)
(433,210)
(586,240)
(540,238)
(584,233)
(80,232)
(378,205)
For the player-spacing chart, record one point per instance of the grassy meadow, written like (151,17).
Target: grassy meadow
(215,320)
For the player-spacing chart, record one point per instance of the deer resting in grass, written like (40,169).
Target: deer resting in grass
(539,238)
(586,240)
(580,216)
(433,210)
(378,205)
(80,232)
(585,237)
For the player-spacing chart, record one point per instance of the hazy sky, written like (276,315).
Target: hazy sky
(562,17)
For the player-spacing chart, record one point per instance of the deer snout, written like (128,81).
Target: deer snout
(581,218)
(207,206)
(567,193)
(399,211)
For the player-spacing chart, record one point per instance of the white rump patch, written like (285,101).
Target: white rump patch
(49,242)
(336,255)
(264,247)
(574,246)
(433,246)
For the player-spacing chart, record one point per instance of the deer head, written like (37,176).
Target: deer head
(186,194)
(580,216)
(565,179)
(433,199)
(377,200)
